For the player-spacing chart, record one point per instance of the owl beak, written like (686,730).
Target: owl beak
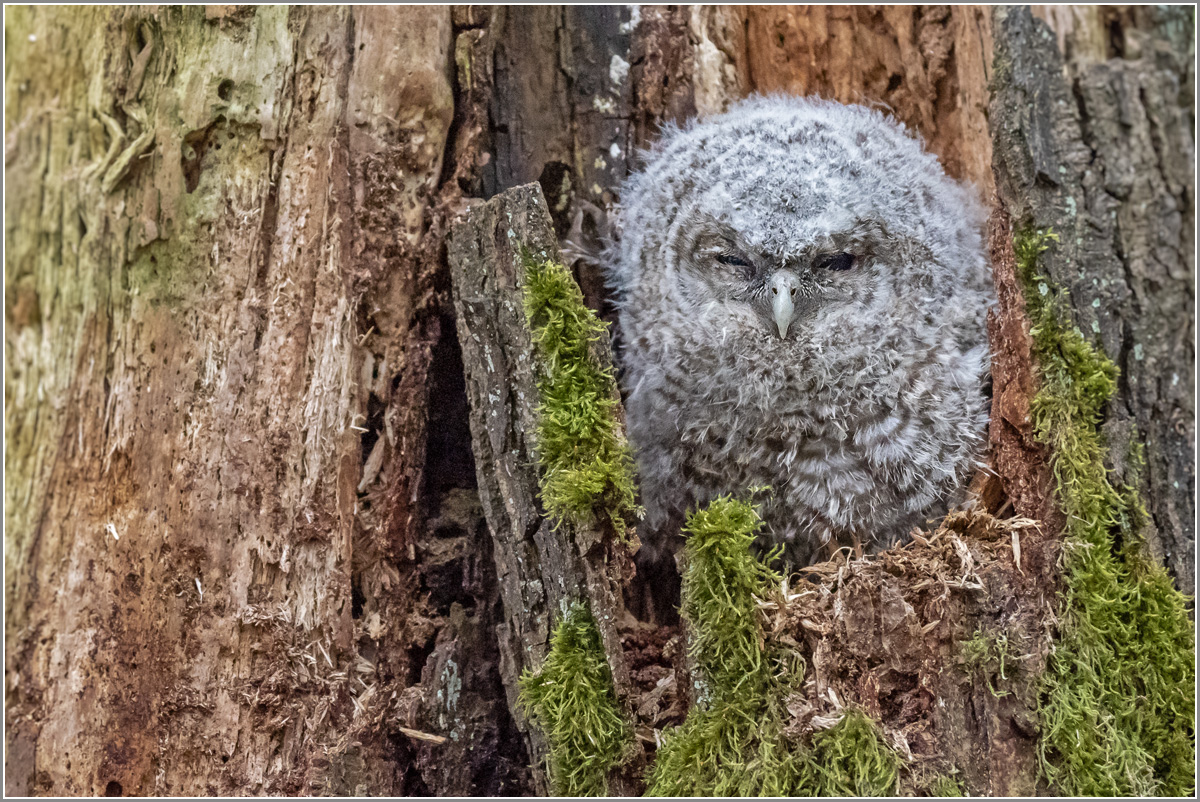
(784,286)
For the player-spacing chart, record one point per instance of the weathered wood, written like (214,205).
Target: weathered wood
(930,65)
(221,330)
(887,634)
(541,568)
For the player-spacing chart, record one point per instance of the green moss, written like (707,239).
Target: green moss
(945,786)
(990,656)
(1118,693)
(976,651)
(721,585)
(572,700)
(586,465)
(729,745)
(732,743)
(586,469)
(849,760)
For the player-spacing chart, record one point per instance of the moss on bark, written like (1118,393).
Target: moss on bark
(1118,693)
(586,464)
(571,698)
(732,743)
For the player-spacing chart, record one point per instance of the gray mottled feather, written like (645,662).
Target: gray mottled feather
(868,415)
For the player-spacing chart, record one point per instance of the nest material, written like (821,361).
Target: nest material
(896,635)
(888,633)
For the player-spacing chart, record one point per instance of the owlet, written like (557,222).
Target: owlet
(802,294)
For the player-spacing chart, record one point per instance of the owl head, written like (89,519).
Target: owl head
(790,226)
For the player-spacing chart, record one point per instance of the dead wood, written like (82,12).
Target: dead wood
(542,569)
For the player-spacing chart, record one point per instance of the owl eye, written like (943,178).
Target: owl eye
(834,261)
(732,260)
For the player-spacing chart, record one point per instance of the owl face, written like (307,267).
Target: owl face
(722,272)
(792,227)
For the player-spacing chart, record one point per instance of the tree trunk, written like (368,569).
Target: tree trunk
(226,313)
(245,549)
(1105,159)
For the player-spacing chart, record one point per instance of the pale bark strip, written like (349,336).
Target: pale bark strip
(541,569)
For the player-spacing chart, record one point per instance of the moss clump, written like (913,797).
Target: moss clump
(945,786)
(989,655)
(721,585)
(586,465)
(732,742)
(729,745)
(1118,693)
(849,760)
(572,700)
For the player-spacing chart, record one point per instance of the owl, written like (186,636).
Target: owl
(802,296)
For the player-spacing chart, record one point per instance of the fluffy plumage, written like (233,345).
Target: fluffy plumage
(802,295)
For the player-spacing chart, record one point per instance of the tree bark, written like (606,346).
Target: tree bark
(543,567)
(223,326)
(245,546)
(1104,157)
